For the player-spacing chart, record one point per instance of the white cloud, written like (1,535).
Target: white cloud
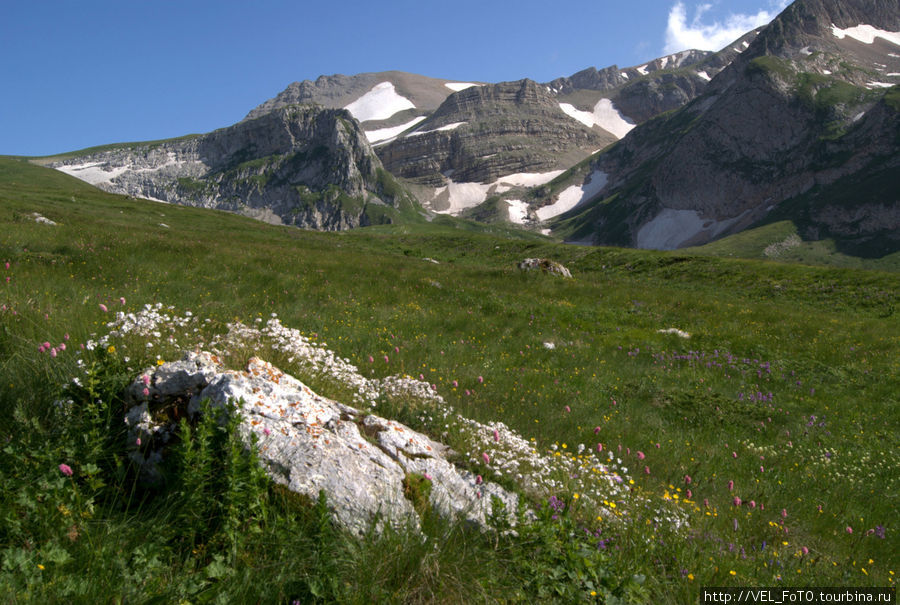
(681,35)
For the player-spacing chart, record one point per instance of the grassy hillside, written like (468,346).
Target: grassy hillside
(761,450)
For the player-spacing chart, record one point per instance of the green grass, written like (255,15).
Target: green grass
(822,340)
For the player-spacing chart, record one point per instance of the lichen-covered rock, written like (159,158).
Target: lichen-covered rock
(312,444)
(546,265)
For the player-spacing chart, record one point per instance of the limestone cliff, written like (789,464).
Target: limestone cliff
(298,164)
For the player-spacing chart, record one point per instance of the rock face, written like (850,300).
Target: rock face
(798,127)
(299,164)
(308,443)
(484,132)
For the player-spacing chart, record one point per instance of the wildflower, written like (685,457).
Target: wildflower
(732,572)
(752,504)
(427,476)
(480,380)
(640,455)
(478,480)
(65,469)
(804,550)
(103,308)
(145,379)
(734,454)
(486,458)
(731,486)
(496,435)
(599,447)
(371,359)
(706,503)
(784,513)
(122,300)
(137,442)
(146,392)
(849,530)
(688,494)
(596,430)
(736,501)
(386,360)
(568,409)
(646,470)
(267,431)
(455,384)
(687,479)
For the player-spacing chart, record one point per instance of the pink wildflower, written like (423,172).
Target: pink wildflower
(688,494)
(61,346)
(706,502)
(804,550)
(396,349)
(146,392)
(736,501)
(640,455)
(480,380)
(386,360)
(496,435)
(734,454)
(52,352)
(596,430)
(849,530)
(687,479)
(478,480)
(371,359)
(752,504)
(731,486)
(599,447)
(145,379)
(784,513)
(121,300)
(65,469)
(267,431)
(47,346)
(568,409)
(103,308)
(427,476)
(137,442)
(646,470)
(487,459)
(66,337)
(455,384)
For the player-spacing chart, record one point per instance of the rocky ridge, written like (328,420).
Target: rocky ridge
(299,164)
(784,128)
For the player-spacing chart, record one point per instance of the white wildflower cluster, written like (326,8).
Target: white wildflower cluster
(776,249)
(152,321)
(675,331)
(600,479)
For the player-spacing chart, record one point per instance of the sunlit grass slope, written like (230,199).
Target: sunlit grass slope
(773,428)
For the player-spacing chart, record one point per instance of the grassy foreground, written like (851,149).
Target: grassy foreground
(761,450)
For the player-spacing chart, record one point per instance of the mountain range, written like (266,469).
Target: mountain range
(797,121)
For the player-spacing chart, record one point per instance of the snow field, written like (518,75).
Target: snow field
(380,103)
(865,34)
(384,134)
(605,115)
(574,195)
(469,195)
(458,86)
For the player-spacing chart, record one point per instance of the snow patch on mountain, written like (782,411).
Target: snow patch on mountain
(380,103)
(642,70)
(93,172)
(704,75)
(670,229)
(574,195)
(468,195)
(605,115)
(458,86)
(384,134)
(452,126)
(865,34)
(518,211)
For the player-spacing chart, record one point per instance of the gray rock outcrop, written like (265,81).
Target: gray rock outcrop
(299,164)
(309,443)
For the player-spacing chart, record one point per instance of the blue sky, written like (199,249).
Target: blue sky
(78,73)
